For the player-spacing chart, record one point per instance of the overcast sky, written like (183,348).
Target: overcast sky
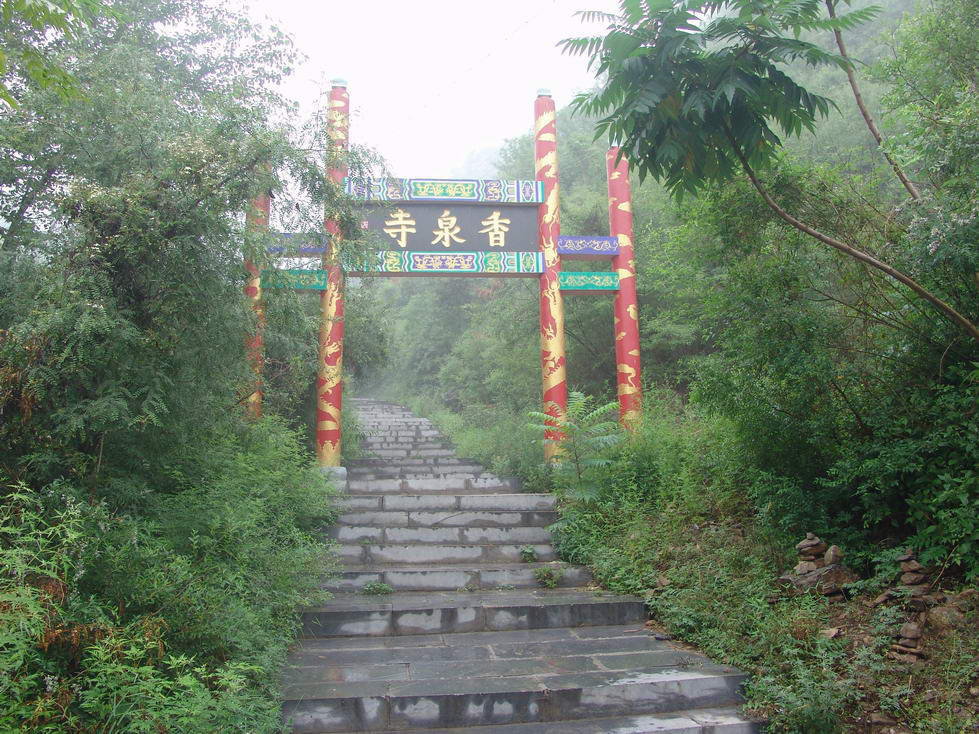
(434,81)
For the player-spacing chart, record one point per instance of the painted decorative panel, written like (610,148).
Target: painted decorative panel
(587,248)
(589,282)
(474,190)
(390,262)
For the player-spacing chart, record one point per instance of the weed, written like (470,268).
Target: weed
(548,576)
(377,588)
(528,554)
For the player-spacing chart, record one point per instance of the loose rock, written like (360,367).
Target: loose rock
(833,555)
(910,630)
(945,618)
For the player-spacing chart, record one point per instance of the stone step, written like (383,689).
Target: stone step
(449,536)
(539,652)
(461,518)
(411,453)
(434,483)
(721,720)
(414,502)
(424,461)
(435,613)
(409,444)
(363,554)
(413,471)
(441,703)
(381,490)
(449,577)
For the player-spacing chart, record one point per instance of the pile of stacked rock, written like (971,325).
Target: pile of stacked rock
(820,569)
(907,649)
(915,586)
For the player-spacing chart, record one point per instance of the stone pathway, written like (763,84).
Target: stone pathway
(469,640)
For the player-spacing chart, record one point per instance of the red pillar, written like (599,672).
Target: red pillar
(627,364)
(552,353)
(256,218)
(329,379)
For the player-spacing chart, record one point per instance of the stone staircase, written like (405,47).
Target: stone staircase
(469,640)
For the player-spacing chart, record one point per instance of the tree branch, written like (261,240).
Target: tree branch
(867,117)
(950,313)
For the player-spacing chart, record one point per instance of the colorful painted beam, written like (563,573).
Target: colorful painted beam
(587,248)
(303,280)
(490,264)
(474,190)
(576,282)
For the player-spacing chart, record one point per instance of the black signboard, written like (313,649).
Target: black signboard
(451,227)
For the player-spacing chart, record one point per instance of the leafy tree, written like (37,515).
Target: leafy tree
(31,32)
(167,540)
(694,91)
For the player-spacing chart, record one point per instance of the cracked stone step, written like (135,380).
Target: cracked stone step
(414,502)
(380,705)
(454,577)
(725,720)
(452,518)
(367,554)
(430,614)
(347,534)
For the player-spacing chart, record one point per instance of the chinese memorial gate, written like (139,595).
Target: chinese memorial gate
(486,228)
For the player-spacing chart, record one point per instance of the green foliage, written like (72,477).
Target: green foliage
(931,88)
(547,576)
(32,32)
(585,432)
(690,86)
(919,474)
(155,545)
(528,554)
(377,588)
(670,524)
(176,617)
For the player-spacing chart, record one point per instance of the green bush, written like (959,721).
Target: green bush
(174,619)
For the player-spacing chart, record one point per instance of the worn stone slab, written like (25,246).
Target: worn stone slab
(440,554)
(485,701)
(450,518)
(700,721)
(451,577)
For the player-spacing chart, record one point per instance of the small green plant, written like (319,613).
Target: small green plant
(505,587)
(377,588)
(548,576)
(528,554)
(587,433)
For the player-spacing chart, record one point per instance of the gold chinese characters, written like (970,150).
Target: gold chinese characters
(399,226)
(448,230)
(496,228)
